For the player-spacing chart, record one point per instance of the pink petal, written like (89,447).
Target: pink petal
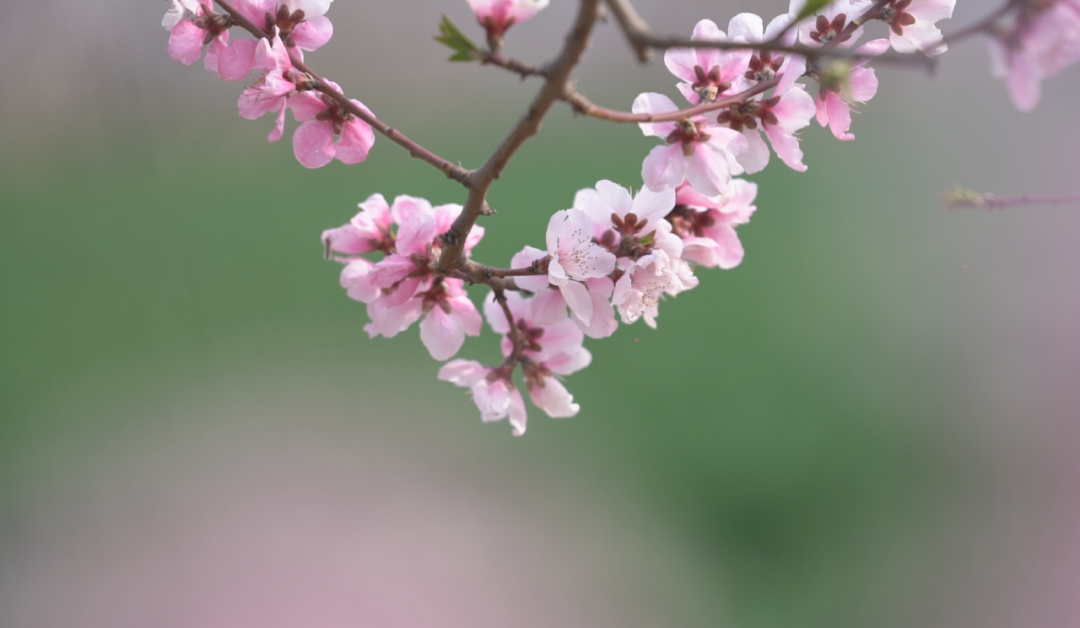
(548,307)
(392,269)
(524,259)
(279,125)
(756,156)
(577,297)
(306,105)
(652,205)
(356,280)
(603,322)
(355,142)
(442,334)
(567,363)
(786,146)
(839,116)
(518,416)
(256,10)
(651,102)
(553,398)
(746,25)
(665,166)
(1024,82)
(313,143)
(237,60)
(186,42)
(795,109)
(416,233)
(681,62)
(463,309)
(313,34)
(464,373)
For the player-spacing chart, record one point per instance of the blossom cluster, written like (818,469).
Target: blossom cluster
(613,255)
(329,130)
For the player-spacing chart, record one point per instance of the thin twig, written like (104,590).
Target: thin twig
(959,197)
(632,25)
(451,170)
(525,70)
(585,107)
(515,334)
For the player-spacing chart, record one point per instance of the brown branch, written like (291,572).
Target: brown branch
(525,70)
(515,334)
(641,37)
(480,180)
(451,170)
(585,107)
(633,26)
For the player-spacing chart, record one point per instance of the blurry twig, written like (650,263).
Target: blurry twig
(960,197)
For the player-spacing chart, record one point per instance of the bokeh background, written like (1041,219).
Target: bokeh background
(873,421)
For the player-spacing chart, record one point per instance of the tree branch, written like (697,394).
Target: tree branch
(525,70)
(585,107)
(451,170)
(633,26)
(480,180)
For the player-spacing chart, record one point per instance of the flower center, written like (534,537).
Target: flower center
(763,67)
(829,31)
(708,84)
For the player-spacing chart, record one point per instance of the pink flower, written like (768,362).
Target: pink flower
(543,341)
(402,288)
(575,258)
(707,225)
(368,231)
(550,350)
(410,291)
(300,23)
(705,155)
(496,16)
(330,131)
(644,281)
(843,85)
(708,73)
(830,22)
(356,279)
(912,24)
(779,116)
(189,37)
(1041,42)
(549,302)
(548,393)
(494,394)
(610,207)
(765,65)
(272,91)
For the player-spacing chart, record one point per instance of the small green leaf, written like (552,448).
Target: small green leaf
(451,37)
(811,7)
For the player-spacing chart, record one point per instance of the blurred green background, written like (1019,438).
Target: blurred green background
(871,422)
